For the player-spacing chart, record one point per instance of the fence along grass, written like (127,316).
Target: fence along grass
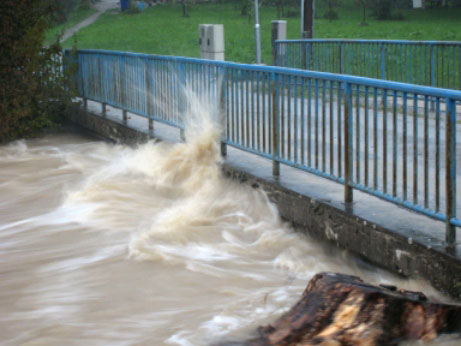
(392,140)
(430,63)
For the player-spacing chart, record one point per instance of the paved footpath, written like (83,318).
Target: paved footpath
(101,7)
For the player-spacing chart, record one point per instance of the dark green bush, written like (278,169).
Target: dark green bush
(33,88)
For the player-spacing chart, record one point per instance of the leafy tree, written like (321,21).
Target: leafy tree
(33,86)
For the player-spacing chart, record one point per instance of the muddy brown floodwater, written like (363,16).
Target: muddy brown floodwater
(104,244)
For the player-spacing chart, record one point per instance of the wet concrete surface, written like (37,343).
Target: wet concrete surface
(383,233)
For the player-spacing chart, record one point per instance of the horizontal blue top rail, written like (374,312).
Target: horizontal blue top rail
(338,40)
(396,141)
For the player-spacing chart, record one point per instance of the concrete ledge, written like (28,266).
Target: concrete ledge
(106,128)
(381,240)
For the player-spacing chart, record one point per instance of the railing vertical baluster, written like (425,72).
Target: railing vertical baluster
(432,66)
(375,138)
(384,141)
(223,111)
(258,109)
(437,155)
(239,105)
(101,86)
(415,149)
(289,127)
(340,56)
(426,152)
(450,178)
(394,145)
(331,128)
(149,96)
(442,66)
(275,126)
(234,101)
(265,106)
(309,122)
(383,61)
(366,136)
(348,140)
(296,119)
(357,134)
(247,110)
(123,88)
(316,82)
(303,116)
(338,123)
(253,122)
(304,47)
(281,90)
(324,116)
(404,143)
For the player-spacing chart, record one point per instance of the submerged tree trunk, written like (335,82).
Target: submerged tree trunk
(338,309)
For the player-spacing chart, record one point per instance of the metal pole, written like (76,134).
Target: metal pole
(450,175)
(348,191)
(275,128)
(302,18)
(307,30)
(257,38)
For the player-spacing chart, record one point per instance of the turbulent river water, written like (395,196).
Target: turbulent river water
(105,244)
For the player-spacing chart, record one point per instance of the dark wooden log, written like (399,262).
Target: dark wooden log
(338,309)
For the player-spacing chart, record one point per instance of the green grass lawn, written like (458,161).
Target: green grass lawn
(75,17)
(162,29)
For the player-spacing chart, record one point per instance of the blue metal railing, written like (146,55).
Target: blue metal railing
(392,140)
(431,63)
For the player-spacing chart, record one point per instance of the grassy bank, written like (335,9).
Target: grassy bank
(75,17)
(162,29)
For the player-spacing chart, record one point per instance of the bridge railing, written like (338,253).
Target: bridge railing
(431,63)
(392,140)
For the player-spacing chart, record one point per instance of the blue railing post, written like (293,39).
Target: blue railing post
(183,98)
(450,179)
(123,88)
(223,111)
(101,86)
(275,126)
(149,96)
(340,56)
(383,61)
(432,66)
(348,143)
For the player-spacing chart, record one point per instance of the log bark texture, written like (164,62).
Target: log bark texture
(338,309)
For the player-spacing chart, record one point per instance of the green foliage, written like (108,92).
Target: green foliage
(33,88)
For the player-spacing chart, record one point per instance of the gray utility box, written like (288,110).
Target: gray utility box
(211,41)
